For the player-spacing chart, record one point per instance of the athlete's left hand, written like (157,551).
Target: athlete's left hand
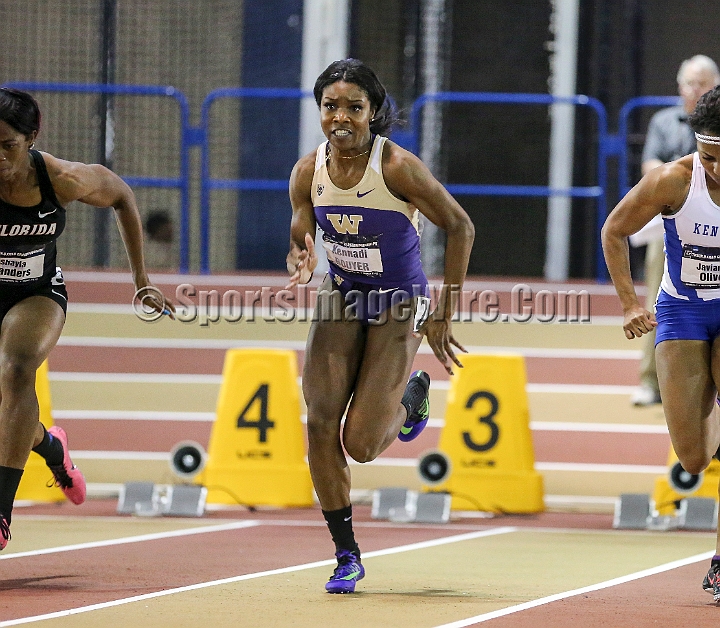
(438,332)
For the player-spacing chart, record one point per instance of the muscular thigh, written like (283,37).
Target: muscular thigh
(687,388)
(390,349)
(332,357)
(30,330)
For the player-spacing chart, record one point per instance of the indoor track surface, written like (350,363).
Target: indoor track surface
(126,391)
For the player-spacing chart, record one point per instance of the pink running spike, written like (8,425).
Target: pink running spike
(67,476)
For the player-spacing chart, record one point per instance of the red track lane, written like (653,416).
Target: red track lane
(669,599)
(122,293)
(55,582)
(550,446)
(551,370)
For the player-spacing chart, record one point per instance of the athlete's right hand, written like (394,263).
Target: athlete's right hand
(301,263)
(638,321)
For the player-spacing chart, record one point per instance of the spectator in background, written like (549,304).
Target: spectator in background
(669,137)
(159,243)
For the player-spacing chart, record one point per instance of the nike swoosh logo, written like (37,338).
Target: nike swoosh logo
(384,290)
(361,194)
(347,518)
(41,215)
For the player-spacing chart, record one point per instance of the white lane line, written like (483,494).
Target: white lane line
(134,539)
(209,417)
(583,389)
(299,345)
(168,378)
(601,468)
(135,378)
(160,456)
(582,467)
(280,279)
(133,415)
(622,428)
(260,574)
(574,467)
(589,589)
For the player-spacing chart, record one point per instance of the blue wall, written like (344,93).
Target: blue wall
(272,51)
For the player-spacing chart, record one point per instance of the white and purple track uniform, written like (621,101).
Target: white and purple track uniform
(371,237)
(688,304)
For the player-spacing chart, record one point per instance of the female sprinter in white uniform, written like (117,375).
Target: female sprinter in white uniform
(365,192)
(686,192)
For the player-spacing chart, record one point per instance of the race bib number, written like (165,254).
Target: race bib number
(19,267)
(700,266)
(364,258)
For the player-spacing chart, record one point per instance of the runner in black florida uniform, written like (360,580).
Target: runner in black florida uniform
(35,187)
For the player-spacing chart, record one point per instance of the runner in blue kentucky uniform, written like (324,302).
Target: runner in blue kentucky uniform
(686,192)
(366,193)
(35,187)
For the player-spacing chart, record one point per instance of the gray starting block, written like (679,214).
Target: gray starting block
(387,499)
(432,508)
(632,511)
(185,501)
(137,497)
(146,499)
(403,505)
(699,513)
(637,512)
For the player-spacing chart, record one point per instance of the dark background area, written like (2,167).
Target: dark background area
(626,48)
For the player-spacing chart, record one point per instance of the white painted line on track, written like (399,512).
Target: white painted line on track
(209,417)
(121,455)
(601,468)
(133,415)
(471,621)
(280,279)
(170,378)
(135,378)
(299,345)
(273,572)
(620,428)
(582,467)
(236,525)
(574,467)
(583,389)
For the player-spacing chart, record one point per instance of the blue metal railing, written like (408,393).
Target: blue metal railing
(608,145)
(623,123)
(604,150)
(182,182)
(207,183)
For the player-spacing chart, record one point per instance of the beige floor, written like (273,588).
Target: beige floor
(419,588)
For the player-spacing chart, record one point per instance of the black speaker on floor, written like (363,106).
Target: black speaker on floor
(434,467)
(683,482)
(187,459)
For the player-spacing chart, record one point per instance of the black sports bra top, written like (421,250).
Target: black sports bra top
(28,234)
